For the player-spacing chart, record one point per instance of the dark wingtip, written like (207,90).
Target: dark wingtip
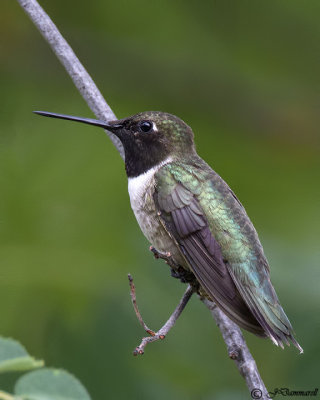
(296,344)
(279,339)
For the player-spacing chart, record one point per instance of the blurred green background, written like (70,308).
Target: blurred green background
(245,76)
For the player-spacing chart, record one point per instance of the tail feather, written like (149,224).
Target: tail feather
(277,329)
(271,317)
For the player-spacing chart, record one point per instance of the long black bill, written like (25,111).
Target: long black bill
(110,127)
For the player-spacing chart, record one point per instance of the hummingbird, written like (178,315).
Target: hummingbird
(186,210)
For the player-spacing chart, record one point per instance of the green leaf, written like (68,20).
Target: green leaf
(50,384)
(14,357)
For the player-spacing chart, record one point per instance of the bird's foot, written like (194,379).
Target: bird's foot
(167,257)
(177,271)
(184,275)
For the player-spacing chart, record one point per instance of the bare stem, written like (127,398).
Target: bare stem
(81,79)
(239,352)
(162,332)
(135,306)
(237,348)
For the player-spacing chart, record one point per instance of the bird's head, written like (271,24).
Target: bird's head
(149,138)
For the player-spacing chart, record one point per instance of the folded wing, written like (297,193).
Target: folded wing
(185,221)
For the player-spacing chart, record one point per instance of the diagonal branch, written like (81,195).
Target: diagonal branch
(239,352)
(81,79)
(232,335)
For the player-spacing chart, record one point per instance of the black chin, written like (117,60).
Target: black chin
(141,155)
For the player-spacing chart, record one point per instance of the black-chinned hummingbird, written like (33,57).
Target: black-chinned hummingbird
(185,209)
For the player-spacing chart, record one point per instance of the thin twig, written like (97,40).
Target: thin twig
(162,332)
(97,103)
(135,306)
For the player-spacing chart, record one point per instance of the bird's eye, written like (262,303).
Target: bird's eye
(145,126)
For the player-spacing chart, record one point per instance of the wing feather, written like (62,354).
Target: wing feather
(188,225)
